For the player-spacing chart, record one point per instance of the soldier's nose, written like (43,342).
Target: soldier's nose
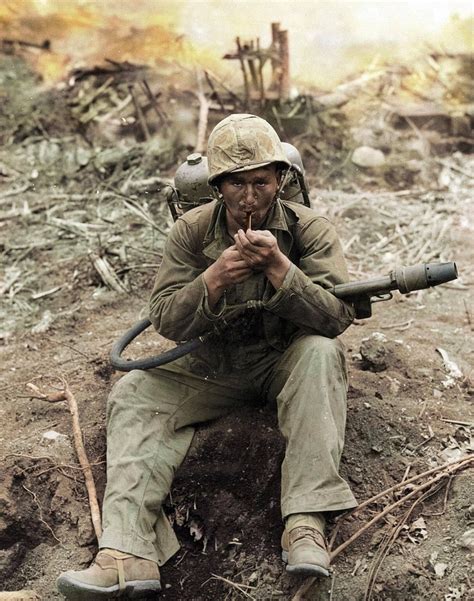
(250,194)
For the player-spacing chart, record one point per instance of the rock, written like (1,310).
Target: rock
(48,152)
(85,530)
(374,353)
(467,540)
(52,435)
(83,155)
(451,454)
(107,159)
(366,156)
(440,569)
(380,353)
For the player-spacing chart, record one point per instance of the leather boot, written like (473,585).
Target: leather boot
(112,574)
(304,547)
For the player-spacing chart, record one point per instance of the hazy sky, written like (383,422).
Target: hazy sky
(328,39)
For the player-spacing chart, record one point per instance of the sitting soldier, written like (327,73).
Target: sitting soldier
(262,291)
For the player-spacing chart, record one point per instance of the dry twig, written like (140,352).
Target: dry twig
(65,394)
(107,273)
(304,588)
(443,472)
(15,191)
(240,587)
(457,422)
(35,499)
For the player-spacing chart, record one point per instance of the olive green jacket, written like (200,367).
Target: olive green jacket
(252,311)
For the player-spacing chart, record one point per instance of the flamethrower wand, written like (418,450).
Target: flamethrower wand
(361,294)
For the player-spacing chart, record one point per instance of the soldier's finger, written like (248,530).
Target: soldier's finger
(261,238)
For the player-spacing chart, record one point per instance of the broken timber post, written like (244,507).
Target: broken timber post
(285,65)
(244,71)
(275,51)
(252,69)
(260,75)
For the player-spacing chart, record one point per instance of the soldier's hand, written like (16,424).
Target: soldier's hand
(258,248)
(229,269)
(260,251)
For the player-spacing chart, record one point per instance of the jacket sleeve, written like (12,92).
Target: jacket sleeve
(303,297)
(178,306)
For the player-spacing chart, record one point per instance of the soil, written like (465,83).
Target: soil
(402,419)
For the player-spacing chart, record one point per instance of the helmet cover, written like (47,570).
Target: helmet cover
(242,142)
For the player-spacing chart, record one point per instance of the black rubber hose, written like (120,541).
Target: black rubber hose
(130,335)
(438,273)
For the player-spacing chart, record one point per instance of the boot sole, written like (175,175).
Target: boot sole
(79,591)
(307,569)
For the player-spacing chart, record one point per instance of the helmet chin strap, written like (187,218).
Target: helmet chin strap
(283,181)
(216,193)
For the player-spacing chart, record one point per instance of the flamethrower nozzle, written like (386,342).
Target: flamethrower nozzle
(425,275)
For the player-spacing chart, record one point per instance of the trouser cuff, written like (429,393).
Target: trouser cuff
(320,502)
(130,542)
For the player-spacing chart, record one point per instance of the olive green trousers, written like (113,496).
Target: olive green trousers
(150,417)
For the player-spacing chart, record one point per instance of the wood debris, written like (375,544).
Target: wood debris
(64,394)
(107,273)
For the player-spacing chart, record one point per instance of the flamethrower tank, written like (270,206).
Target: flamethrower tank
(295,187)
(190,185)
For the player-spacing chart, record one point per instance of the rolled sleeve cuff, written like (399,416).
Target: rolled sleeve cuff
(212,314)
(283,292)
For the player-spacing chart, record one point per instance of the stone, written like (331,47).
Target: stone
(467,540)
(366,156)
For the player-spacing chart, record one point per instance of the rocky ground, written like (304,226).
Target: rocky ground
(65,205)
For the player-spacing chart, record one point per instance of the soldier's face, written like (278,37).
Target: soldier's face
(249,192)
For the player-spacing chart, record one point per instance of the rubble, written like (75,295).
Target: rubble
(365,156)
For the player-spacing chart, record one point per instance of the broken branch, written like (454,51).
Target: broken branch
(447,471)
(65,394)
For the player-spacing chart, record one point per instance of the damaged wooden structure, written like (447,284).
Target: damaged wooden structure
(253,58)
(267,81)
(123,86)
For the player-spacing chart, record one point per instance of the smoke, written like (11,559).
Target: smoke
(329,40)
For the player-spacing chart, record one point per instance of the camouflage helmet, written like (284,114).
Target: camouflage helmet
(242,142)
